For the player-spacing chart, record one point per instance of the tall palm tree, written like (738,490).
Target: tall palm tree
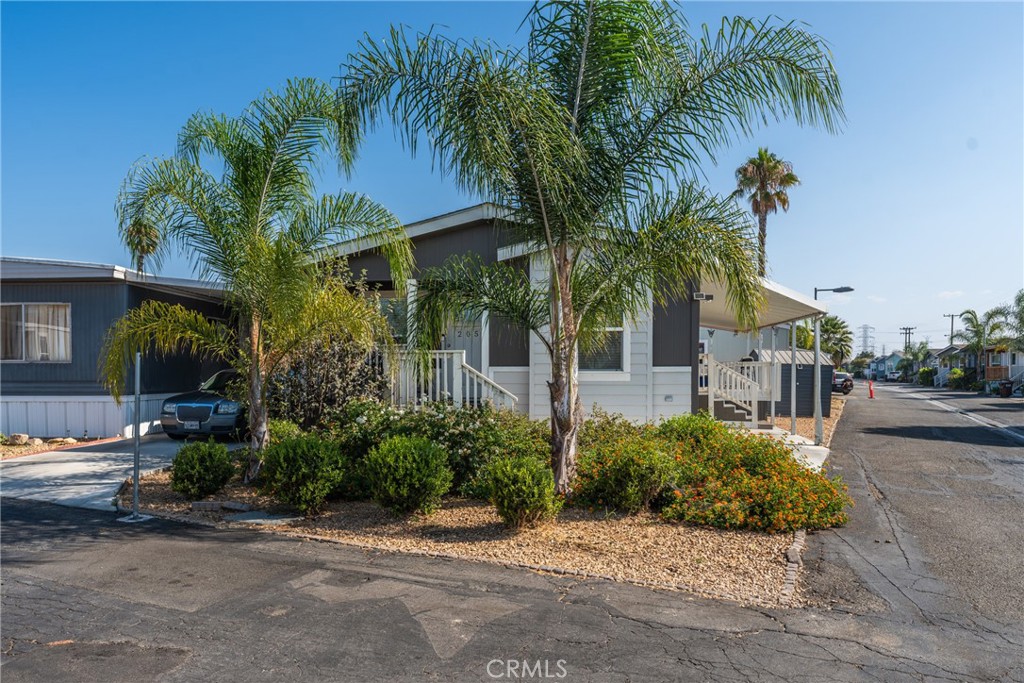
(1015,321)
(981,331)
(836,339)
(763,180)
(255,228)
(589,136)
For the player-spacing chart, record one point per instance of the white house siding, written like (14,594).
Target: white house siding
(671,392)
(516,380)
(77,416)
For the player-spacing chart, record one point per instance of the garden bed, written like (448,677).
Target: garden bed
(805,425)
(744,566)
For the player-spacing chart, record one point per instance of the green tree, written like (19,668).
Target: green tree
(1014,316)
(913,357)
(254,228)
(590,137)
(836,339)
(764,180)
(981,331)
(805,335)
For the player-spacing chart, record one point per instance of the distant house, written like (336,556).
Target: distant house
(53,320)
(656,368)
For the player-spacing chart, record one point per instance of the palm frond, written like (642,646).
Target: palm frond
(166,329)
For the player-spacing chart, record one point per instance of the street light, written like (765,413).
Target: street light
(819,427)
(837,290)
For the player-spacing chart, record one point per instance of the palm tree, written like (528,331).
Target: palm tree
(980,331)
(255,229)
(763,180)
(588,137)
(836,339)
(1014,316)
(913,358)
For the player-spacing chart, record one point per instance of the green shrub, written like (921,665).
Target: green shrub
(601,427)
(926,376)
(302,471)
(958,379)
(696,431)
(745,481)
(283,429)
(625,475)
(472,437)
(200,469)
(408,474)
(523,491)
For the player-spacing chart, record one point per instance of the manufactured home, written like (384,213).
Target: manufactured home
(648,371)
(53,321)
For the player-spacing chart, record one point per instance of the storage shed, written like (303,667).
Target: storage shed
(804,381)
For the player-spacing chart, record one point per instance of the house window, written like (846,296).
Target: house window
(609,356)
(35,332)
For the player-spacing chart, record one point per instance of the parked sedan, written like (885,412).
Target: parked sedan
(204,412)
(842,381)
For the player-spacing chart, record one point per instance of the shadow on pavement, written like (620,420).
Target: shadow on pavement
(981,436)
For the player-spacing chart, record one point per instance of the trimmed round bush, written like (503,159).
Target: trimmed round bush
(408,474)
(283,429)
(201,469)
(523,491)
(625,475)
(302,471)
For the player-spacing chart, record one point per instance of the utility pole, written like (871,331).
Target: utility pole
(906,332)
(952,317)
(867,339)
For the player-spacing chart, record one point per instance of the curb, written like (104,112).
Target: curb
(794,561)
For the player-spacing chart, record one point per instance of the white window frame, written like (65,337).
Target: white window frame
(611,375)
(23,360)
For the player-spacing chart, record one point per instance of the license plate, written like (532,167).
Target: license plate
(191,424)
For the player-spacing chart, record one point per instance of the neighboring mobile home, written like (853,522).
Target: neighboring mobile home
(648,371)
(53,320)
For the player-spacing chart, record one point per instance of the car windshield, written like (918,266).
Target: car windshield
(219,382)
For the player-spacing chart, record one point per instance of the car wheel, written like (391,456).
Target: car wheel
(847,391)
(177,437)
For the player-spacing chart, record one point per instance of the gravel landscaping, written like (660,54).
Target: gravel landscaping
(805,425)
(743,566)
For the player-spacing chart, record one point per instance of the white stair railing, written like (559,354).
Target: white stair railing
(729,385)
(758,372)
(446,378)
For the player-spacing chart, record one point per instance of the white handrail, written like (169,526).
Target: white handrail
(447,378)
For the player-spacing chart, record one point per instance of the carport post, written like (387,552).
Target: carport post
(771,377)
(819,435)
(792,378)
(135,516)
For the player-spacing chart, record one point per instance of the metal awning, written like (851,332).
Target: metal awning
(782,305)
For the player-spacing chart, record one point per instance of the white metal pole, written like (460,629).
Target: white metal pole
(771,376)
(792,378)
(138,402)
(818,427)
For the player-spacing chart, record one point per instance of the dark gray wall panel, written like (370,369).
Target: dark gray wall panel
(94,307)
(673,336)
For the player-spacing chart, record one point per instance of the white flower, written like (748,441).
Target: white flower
(361,420)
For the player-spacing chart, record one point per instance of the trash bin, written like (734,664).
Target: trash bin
(1005,388)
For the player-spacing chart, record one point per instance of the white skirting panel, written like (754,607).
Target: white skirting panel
(516,380)
(78,416)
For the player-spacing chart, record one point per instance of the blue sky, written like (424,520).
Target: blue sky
(918,204)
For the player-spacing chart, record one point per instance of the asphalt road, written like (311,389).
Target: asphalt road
(86,598)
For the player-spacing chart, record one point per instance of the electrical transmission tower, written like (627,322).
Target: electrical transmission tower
(867,339)
(907,332)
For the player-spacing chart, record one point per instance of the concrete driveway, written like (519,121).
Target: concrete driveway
(85,477)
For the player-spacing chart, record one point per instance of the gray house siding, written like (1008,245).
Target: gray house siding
(179,372)
(94,307)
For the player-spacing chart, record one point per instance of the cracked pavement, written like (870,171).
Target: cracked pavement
(923,584)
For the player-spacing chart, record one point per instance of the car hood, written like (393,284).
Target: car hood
(197,397)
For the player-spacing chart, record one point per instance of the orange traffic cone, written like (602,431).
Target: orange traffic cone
(871,389)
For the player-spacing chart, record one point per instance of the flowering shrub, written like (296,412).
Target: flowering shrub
(200,469)
(302,471)
(602,427)
(735,480)
(408,474)
(523,491)
(624,475)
